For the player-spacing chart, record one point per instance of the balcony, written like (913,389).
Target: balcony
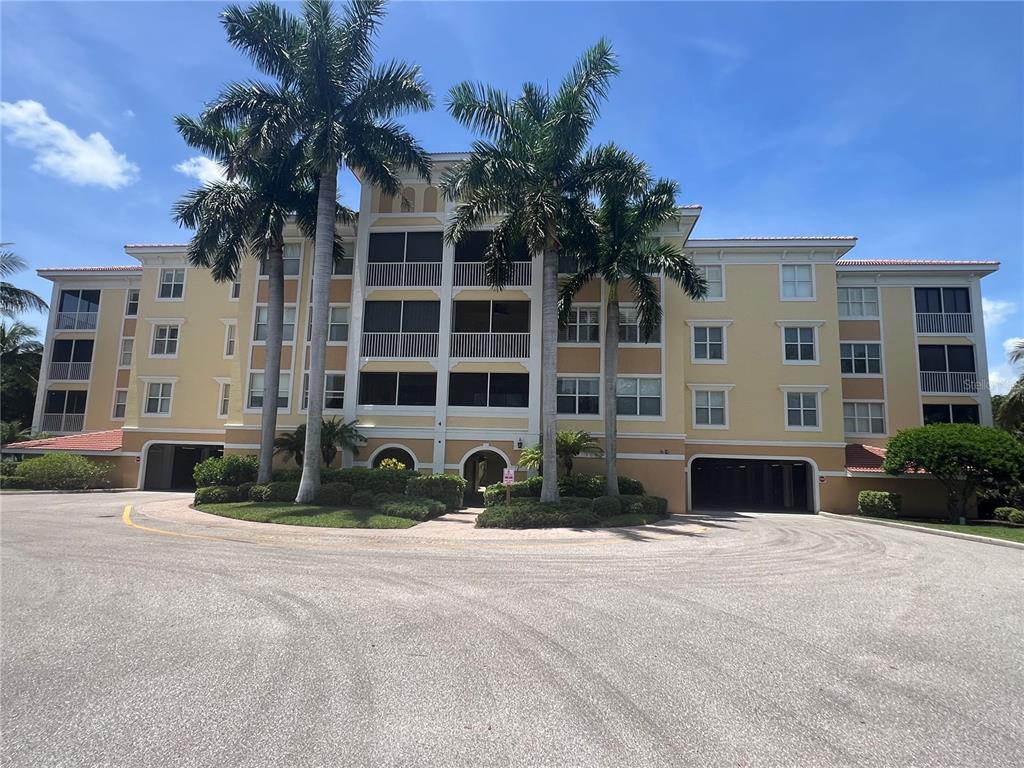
(62,422)
(491,345)
(399,344)
(76,321)
(474,274)
(945,322)
(403,274)
(949,382)
(70,371)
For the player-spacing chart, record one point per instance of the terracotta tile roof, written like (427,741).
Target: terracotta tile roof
(864,458)
(110,440)
(156,245)
(117,268)
(783,237)
(911,263)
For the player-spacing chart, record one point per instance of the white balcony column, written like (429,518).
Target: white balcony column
(51,320)
(533,363)
(444,345)
(981,354)
(355,320)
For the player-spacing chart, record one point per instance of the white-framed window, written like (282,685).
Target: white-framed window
(629,327)
(860,358)
(864,418)
(708,344)
(797,282)
(714,275)
(635,396)
(120,403)
(337,325)
(131,303)
(124,358)
(257,385)
(802,411)
(158,398)
(234,290)
(859,303)
(710,408)
(583,326)
(224,399)
(291,258)
(172,284)
(259,327)
(334,391)
(578,395)
(230,339)
(165,341)
(799,344)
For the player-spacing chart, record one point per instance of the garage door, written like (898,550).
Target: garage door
(755,484)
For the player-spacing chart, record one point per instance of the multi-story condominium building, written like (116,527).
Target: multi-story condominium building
(779,390)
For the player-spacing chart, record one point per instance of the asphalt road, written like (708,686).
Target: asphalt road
(766,640)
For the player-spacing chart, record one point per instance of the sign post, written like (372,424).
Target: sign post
(508,476)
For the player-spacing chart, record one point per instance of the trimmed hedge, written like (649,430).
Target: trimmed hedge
(607,506)
(879,504)
(233,469)
(14,483)
(216,494)
(524,489)
(448,489)
(1004,513)
(334,494)
(527,513)
(282,490)
(582,485)
(360,478)
(287,475)
(1017,516)
(8,467)
(408,507)
(259,493)
(363,498)
(62,472)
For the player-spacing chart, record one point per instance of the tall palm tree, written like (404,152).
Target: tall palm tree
(626,256)
(1011,411)
(20,357)
(340,109)
(532,168)
(12,298)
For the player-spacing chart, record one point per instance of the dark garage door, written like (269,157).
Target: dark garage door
(754,484)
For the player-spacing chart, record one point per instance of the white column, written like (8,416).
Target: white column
(981,355)
(355,319)
(533,363)
(44,368)
(444,341)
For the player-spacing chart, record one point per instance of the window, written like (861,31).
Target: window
(802,410)
(235,290)
(473,246)
(638,397)
(412,389)
(124,360)
(334,391)
(944,413)
(224,401)
(158,398)
(343,264)
(709,408)
(629,327)
(65,401)
(583,326)
(568,264)
(402,316)
(120,403)
(714,275)
(489,390)
(405,246)
(858,358)
(491,317)
(291,260)
(942,300)
(259,328)
(172,283)
(257,386)
(77,310)
(74,357)
(131,305)
(578,395)
(864,418)
(797,282)
(798,344)
(858,302)
(957,358)
(165,341)
(230,333)
(337,324)
(708,343)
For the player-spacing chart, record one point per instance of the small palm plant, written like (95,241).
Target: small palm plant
(1011,412)
(569,444)
(12,298)
(334,435)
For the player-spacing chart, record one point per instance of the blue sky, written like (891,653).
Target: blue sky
(900,123)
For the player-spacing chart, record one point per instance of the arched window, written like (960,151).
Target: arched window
(397,454)
(387,202)
(430,200)
(408,200)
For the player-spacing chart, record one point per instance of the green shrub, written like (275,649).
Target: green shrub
(291,475)
(1016,516)
(259,493)
(408,507)
(1002,513)
(363,498)
(631,487)
(334,494)
(233,469)
(242,492)
(523,489)
(607,506)
(389,463)
(527,513)
(14,483)
(216,494)
(447,489)
(879,504)
(282,490)
(662,505)
(8,467)
(62,472)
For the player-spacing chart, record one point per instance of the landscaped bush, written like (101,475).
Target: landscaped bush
(8,467)
(14,483)
(389,463)
(408,507)
(291,475)
(334,494)
(607,506)
(629,486)
(259,493)
(62,472)
(363,498)
(1002,513)
(447,489)
(233,469)
(242,492)
(1017,516)
(216,494)
(527,513)
(879,504)
(282,490)
(523,489)
(583,485)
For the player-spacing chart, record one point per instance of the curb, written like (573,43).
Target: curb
(922,529)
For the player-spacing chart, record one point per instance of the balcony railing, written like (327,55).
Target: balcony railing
(62,422)
(945,322)
(411,274)
(70,371)
(399,344)
(949,382)
(474,273)
(491,345)
(76,321)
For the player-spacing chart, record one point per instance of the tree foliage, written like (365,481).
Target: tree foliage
(334,434)
(569,445)
(13,299)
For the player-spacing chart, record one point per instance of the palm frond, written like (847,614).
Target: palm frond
(268,34)
(481,108)
(392,89)
(647,301)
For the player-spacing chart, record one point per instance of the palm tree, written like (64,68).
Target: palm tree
(20,357)
(334,434)
(627,254)
(1011,411)
(340,109)
(568,445)
(12,298)
(532,169)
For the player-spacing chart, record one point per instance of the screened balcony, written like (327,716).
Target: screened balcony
(63,411)
(947,369)
(943,310)
(406,329)
(491,329)
(404,259)
(78,310)
(71,360)
(469,269)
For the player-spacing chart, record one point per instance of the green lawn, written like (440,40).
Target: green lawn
(285,513)
(995,531)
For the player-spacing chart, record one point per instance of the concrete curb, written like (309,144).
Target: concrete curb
(922,529)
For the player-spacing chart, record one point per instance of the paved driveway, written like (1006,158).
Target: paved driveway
(757,640)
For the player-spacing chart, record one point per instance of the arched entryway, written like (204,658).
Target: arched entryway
(738,483)
(393,452)
(481,468)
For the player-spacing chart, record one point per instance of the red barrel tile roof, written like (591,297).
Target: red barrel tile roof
(109,440)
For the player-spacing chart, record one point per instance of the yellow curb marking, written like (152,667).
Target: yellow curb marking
(126,518)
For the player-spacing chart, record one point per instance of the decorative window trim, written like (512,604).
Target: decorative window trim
(814,282)
(721,267)
(330,307)
(149,382)
(600,397)
(160,282)
(816,390)
(127,301)
(304,392)
(694,389)
(284,323)
(878,302)
(131,354)
(639,416)
(156,323)
(113,405)
(867,401)
(642,344)
(287,391)
(223,382)
(230,325)
(814,325)
(881,359)
(585,305)
(724,325)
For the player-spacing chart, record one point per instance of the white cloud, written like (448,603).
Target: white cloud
(202,168)
(1000,379)
(129,113)
(61,152)
(996,311)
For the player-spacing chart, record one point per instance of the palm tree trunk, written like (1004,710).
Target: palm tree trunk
(323,259)
(548,375)
(272,366)
(611,376)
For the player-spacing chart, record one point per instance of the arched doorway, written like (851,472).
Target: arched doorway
(752,483)
(396,453)
(481,468)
